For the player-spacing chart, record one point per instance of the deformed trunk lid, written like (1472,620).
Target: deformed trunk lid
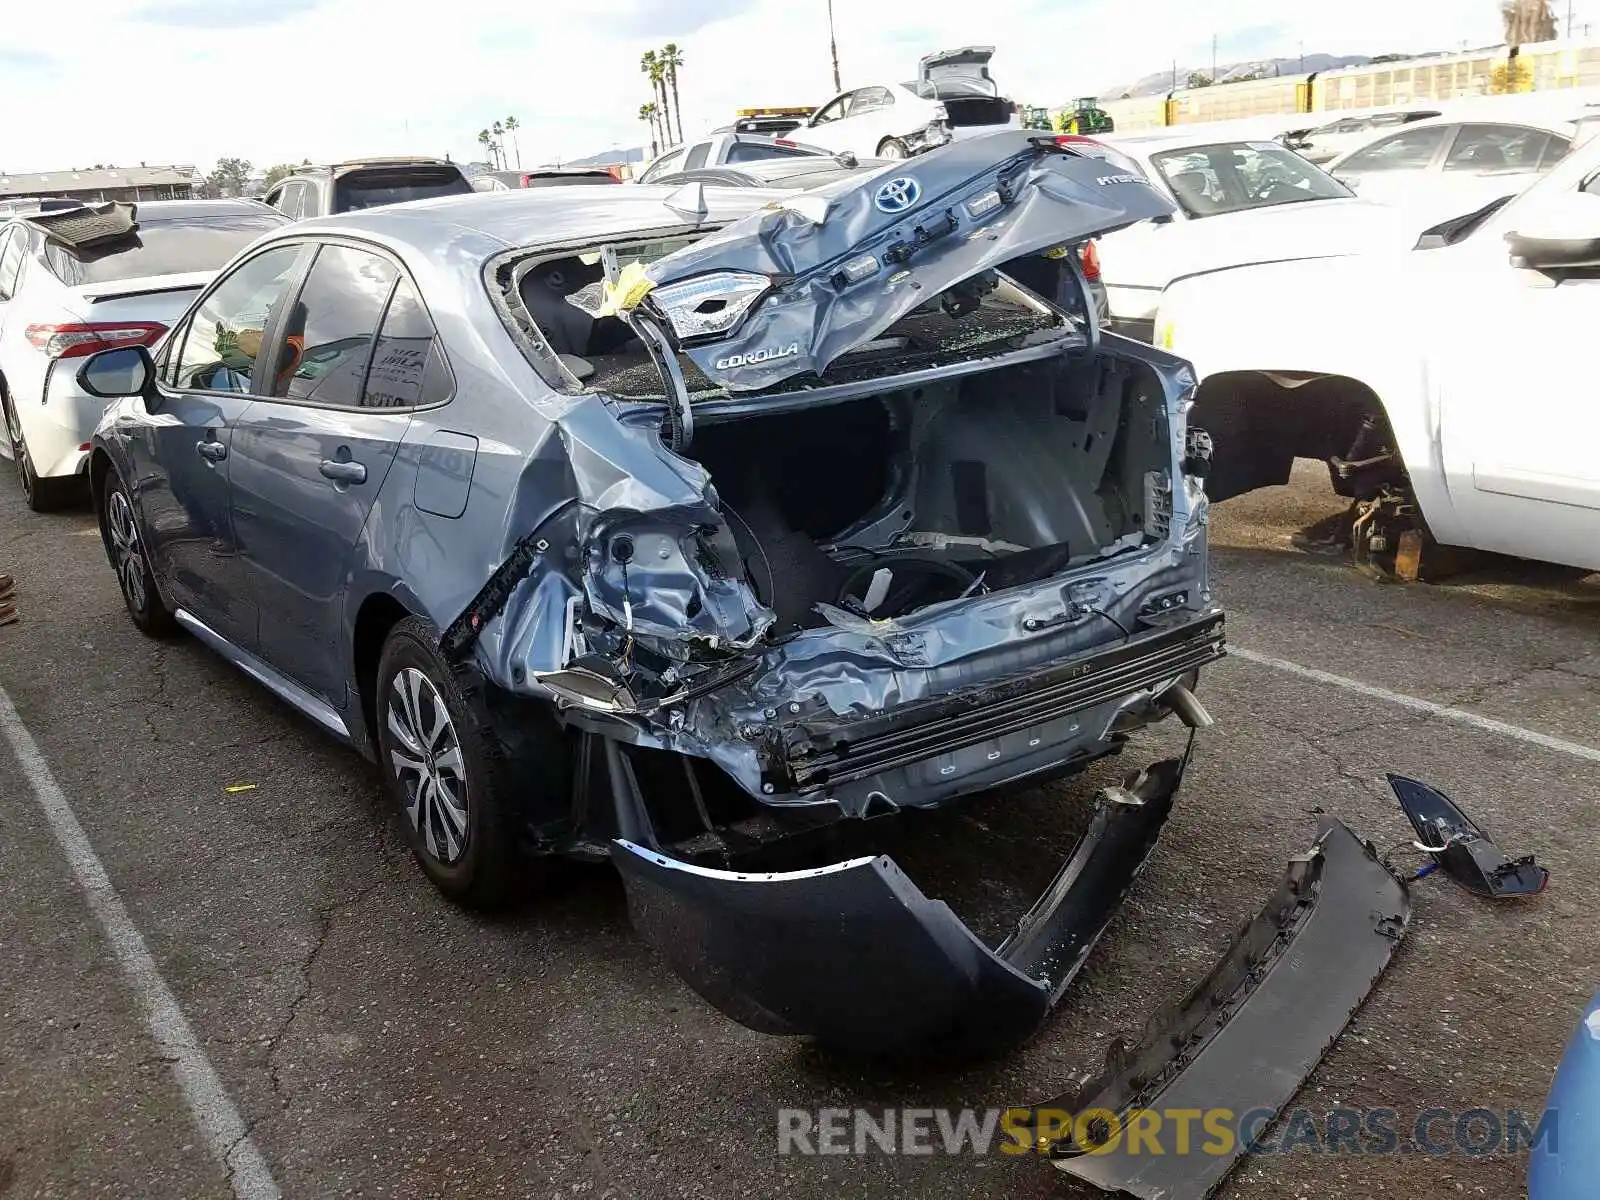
(825,272)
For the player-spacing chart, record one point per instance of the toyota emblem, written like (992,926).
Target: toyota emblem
(899,194)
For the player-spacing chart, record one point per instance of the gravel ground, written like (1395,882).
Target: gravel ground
(378,1042)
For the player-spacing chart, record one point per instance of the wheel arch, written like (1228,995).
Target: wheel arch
(1261,421)
(378,614)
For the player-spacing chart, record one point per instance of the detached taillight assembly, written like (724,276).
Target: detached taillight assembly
(83,339)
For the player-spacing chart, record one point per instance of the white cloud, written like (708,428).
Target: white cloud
(281,80)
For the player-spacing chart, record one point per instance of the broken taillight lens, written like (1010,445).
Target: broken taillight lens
(82,339)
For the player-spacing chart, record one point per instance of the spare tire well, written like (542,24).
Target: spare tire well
(1261,423)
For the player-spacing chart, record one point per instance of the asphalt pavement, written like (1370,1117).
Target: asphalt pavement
(372,1040)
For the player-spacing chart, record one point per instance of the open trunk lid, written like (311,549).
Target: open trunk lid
(790,289)
(967,69)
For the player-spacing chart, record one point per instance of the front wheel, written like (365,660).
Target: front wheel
(125,549)
(893,148)
(461,792)
(41,495)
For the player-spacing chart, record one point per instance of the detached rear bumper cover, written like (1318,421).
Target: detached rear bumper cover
(857,957)
(1249,1033)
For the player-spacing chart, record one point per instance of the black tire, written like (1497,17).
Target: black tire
(41,495)
(125,550)
(487,867)
(893,148)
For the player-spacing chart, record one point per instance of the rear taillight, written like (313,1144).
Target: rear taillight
(784,142)
(81,340)
(525,179)
(1089,256)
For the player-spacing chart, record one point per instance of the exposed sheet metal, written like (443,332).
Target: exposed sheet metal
(1249,1033)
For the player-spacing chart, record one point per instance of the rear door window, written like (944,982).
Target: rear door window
(222,340)
(329,330)
(870,99)
(408,367)
(697,156)
(1484,148)
(373,188)
(1412,150)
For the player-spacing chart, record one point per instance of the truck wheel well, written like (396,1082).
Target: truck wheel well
(379,614)
(1261,423)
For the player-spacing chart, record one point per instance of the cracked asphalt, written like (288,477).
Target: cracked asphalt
(380,1043)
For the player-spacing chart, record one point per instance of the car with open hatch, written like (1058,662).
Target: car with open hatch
(661,525)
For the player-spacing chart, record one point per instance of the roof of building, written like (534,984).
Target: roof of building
(30,183)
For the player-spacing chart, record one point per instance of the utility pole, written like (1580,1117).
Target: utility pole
(1213,58)
(1569,20)
(833,48)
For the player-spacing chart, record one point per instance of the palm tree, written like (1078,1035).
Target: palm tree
(487,140)
(671,58)
(647,112)
(1528,22)
(499,131)
(651,66)
(512,125)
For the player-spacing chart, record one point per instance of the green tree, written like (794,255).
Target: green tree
(651,66)
(647,112)
(512,125)
(486,140)
(671,58)
(281,171)
(1199,79)
(229,178)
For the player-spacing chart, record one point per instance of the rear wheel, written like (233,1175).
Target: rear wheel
(41,495)
(893,148)
(125,548)
(461,794)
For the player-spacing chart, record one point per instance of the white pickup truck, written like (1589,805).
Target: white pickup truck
(1468,362)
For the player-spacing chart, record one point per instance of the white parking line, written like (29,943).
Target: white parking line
(1443,711)
(219,1121)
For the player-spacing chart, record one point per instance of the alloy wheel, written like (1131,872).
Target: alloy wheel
(127,552)
(426,756)
(892,150)
(19,449)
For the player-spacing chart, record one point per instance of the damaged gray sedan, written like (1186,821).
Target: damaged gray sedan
(659,526)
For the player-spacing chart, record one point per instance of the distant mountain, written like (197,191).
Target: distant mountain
(1160,83)
(632,155)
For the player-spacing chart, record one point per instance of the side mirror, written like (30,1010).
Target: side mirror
(113,374)
(1561,234)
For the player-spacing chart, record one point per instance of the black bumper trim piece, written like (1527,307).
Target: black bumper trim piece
(819,753)
(1250,1033)
(855,956)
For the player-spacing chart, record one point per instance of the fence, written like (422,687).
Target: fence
(1545,67)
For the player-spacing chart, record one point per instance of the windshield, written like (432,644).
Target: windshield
(1238,176)
(371,189)
(161,248)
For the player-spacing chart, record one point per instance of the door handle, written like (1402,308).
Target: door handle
(212,451)
(343,472)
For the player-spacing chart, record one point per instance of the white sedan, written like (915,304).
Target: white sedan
(1240,200)
(953,96)
(75,279)
(1456,375)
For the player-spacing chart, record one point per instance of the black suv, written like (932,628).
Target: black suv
(365,183)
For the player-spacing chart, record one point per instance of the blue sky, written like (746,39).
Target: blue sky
(282,80)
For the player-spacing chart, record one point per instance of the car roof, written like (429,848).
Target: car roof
(534,217)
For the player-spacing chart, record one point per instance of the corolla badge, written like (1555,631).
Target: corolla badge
(899,194)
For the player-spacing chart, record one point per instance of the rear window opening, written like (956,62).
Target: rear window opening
(559,296)
(159,248)
(373,188)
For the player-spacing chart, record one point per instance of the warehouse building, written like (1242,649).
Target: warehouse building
(103,183)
